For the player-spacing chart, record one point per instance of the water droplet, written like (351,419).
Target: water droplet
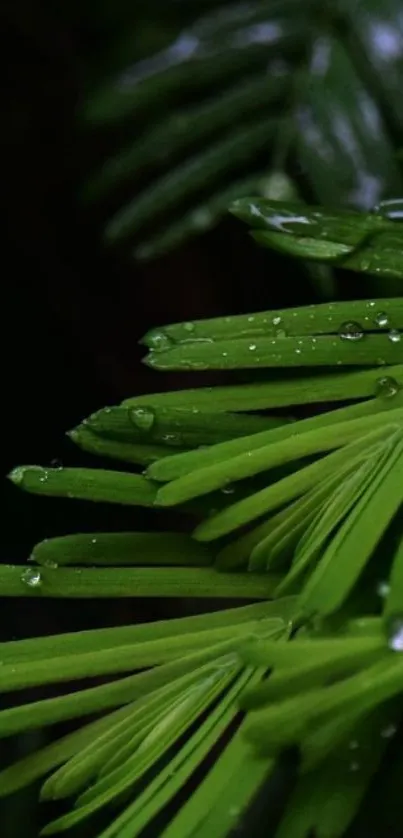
(44,477)
(381,320)
(50,563)
(281,333)
(351,331)
(228,490)
(143,418)
(386,387)
(388,731)
(94,540)
(158,341)
(394,336)
(395,641)
(298,352)
(383,589)
(276,320)
(353,745)
(189,327)
(31,577)
(252,347)
(251,318)
(56,463)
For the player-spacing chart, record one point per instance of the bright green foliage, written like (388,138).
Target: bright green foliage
(303,516)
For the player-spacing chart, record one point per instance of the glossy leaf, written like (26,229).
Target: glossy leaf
(352,546)
(121,548)
(85,484)
(174,426)
(277,494)
(183,464)
(124,582)
(296,447)
(317,387)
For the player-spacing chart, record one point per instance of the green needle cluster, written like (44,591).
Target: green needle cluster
(303,516)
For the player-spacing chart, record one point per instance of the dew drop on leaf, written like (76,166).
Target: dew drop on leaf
(395,641)
(189,327)
(351,331)
(281,333)
(276,321)
(31,577)
(143,418)
(158,341)
(394,336)
(381,320)
(228,490)
(386,387)
(252,347)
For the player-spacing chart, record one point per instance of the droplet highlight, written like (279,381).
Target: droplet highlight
(382,320)
(143,418)
(31,577)
(386,387)
(158,341)
(351,331)
(394,336)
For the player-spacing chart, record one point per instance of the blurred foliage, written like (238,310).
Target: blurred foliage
(170,100)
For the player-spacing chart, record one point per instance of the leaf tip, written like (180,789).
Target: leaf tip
(16,475)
